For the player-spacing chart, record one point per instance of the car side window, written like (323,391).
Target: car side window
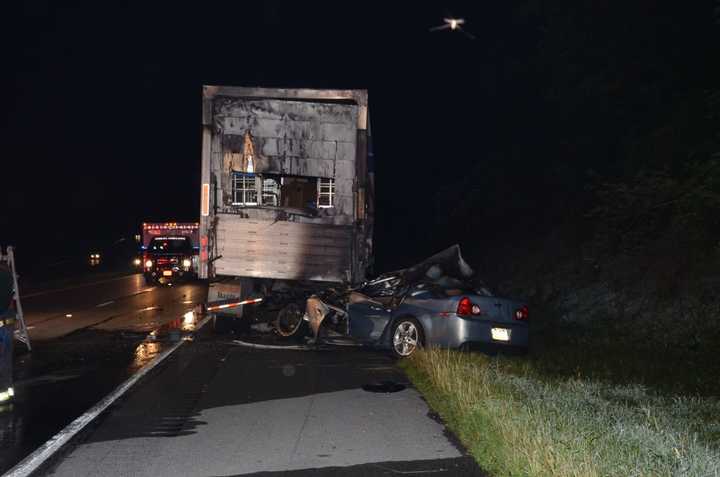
(425,290)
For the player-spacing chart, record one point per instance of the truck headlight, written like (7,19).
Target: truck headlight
(187,263)
(137,262)
(148,264)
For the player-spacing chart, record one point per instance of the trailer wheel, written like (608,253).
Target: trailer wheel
(289,322)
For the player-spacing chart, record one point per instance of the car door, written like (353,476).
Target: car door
(368,318)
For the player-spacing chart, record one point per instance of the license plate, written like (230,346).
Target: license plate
(167,273)
(500,334)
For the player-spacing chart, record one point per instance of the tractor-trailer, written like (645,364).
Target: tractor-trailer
(286,185)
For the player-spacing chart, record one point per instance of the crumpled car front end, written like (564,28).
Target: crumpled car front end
(438,302)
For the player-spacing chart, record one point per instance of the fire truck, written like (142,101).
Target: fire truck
(169,251)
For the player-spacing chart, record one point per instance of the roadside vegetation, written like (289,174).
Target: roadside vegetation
(615,245)
(516,419)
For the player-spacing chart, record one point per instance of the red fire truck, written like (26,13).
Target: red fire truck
(169,251)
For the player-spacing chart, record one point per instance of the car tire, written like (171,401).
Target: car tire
(290,323)
(406,337)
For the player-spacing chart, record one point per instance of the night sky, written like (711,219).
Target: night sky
(100,124)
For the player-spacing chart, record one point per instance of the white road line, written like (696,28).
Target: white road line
(105,304)
(58,290)
(150,308)
(33,462)
(203,322)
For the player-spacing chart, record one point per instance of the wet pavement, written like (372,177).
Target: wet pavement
(76,361)
(123,303)
(215,407)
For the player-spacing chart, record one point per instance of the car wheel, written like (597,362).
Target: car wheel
(290,323)
(406,337)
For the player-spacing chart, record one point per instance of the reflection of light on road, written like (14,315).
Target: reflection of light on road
(189,321)
(145,290)
(69,315)
(144,353)
(7,394)
(187,302)
(148,308)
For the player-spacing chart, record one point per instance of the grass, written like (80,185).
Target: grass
(670,354)
(517,419)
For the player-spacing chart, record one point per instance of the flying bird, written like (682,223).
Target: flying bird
(453,24)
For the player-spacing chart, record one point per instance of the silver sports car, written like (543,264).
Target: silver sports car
(435,303)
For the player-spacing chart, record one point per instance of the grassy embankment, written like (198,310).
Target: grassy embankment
(516,419)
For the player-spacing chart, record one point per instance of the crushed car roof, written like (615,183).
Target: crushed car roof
(446,268)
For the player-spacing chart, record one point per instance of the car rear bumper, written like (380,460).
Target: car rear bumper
(462,332)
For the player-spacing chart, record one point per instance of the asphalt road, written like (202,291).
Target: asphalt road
(79,359)
(218,408)
(214,407)
(112,304)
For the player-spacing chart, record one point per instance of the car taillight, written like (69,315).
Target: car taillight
(467,307)
(522,313)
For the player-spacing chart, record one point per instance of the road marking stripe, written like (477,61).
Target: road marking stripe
(105,304)
(58,290)
(33,462)
(203,322)
(150,308)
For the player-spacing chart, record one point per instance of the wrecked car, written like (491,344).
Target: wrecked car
(438,302)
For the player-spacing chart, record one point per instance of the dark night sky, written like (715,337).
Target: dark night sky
(101,116)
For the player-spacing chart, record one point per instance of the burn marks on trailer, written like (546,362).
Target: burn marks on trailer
(285,138)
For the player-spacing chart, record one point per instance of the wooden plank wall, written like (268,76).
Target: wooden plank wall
(282,250)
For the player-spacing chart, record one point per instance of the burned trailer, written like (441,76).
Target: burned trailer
(286,189)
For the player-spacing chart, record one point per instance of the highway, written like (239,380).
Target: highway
(123,303)
(218,408)
(213,406)
(88,335)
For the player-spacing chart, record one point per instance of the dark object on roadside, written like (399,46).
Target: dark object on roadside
(6,288)
(7,333)
(383,387)
(437,302)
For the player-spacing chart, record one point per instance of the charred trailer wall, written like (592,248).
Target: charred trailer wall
(284,179)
